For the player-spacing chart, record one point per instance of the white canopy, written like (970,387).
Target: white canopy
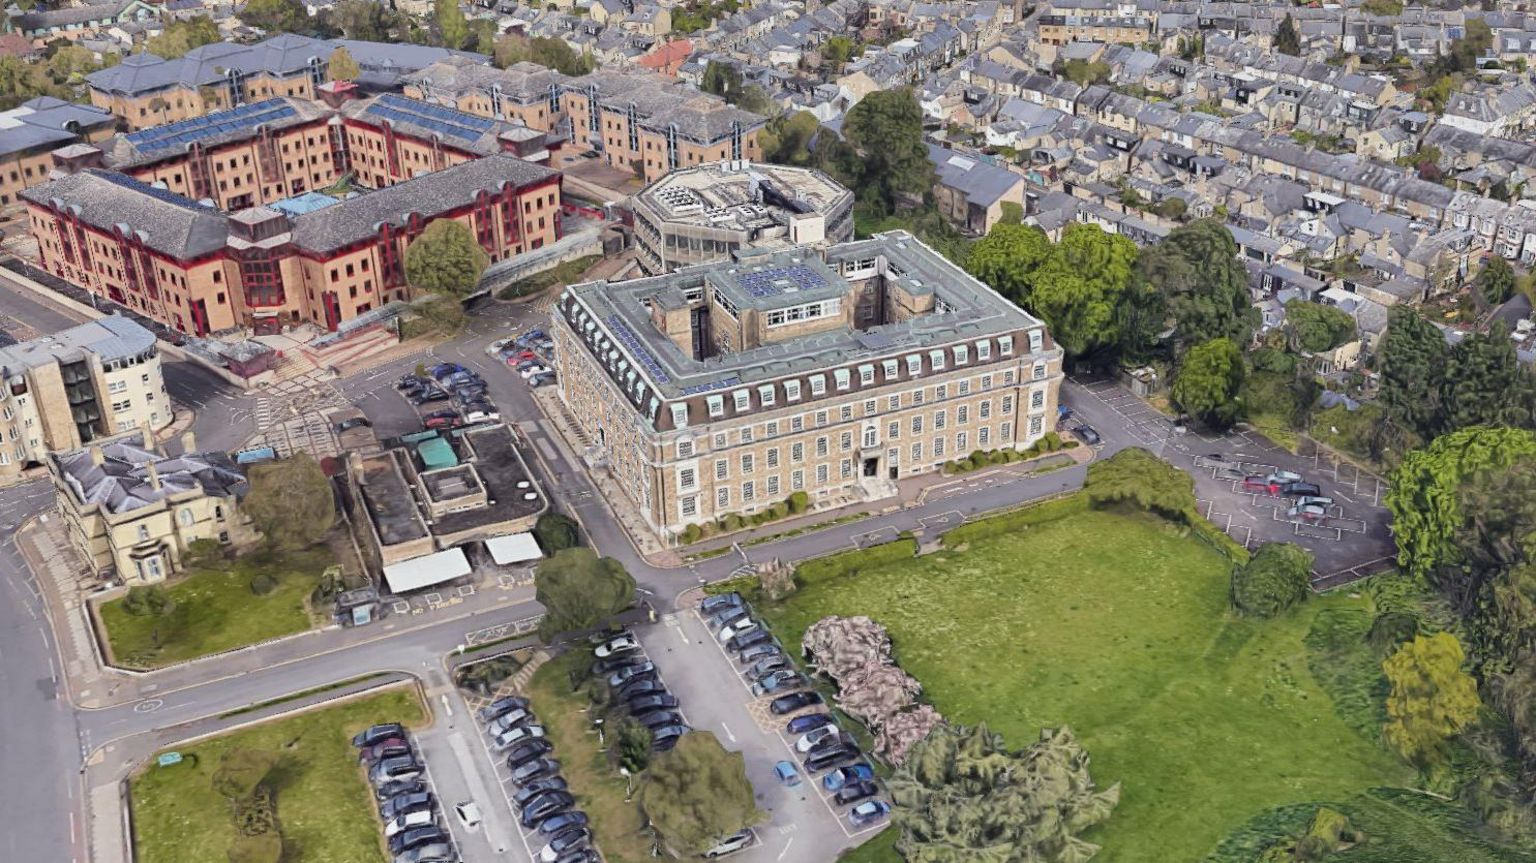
(513,548)
(425,571)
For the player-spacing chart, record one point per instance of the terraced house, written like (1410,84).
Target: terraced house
(316,258)
(637,121)
(725,387)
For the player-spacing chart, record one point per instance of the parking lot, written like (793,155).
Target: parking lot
(1352,537)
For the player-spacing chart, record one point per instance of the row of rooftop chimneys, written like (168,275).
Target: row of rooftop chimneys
(188,445)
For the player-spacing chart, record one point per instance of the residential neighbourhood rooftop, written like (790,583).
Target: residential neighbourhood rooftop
(120,476)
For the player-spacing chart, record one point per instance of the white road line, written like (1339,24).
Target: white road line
(728,733)
(786,847)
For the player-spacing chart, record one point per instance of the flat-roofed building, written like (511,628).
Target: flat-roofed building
(60,391)
(201,270)
(708,213)
(635,120)
(726,387)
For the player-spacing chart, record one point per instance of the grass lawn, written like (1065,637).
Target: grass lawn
(215,610)
(881,849)
(324,807)
(1118,626)
(598,788)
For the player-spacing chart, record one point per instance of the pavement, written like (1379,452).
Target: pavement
(47,737)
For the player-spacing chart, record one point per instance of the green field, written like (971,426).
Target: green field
(1118,626)
(214,609)
(324,808)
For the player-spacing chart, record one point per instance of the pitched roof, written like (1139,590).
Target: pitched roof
(167,222)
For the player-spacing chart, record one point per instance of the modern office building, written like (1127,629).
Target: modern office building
(61,391)
(708,213)
(635,120)
(726,387)
(146,90)
(318,259)
(30,132)
(133,512)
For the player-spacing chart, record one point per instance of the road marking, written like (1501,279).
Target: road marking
(786,847)
(728,733)
(447,708)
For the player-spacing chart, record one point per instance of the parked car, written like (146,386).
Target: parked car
(776,681)
(740,627)
(725,617)
(408,381)
(537,787)
(836,779)
(545,805)
(574,837)
(868,812)
(1314,500)
(659,718)
(542,379)
(788,773)
(515,735)
(666,736)
(442,422)
(832,756)
(398,767)
(401,823)
(437,852)
(399,787)
(640,686)
(376,733)
(751,639)
(792,702)
(394,746)
(533,370)
(853,792)
(622,643)
(613,663)
(563,821)
(760,652)
(520,716)
(444,413)
(528,750)
(816,737)
(1307,513)
(730,844)
(416,837)
(351,423)
(1281,477)
(1257,483)
(650,703)
(625,672)
(767,664)
(395,806)
(720,601)
(807,723)
(429,394)
(1088,435)
(502,706)
(540,769)
(468,812)
(1300,489)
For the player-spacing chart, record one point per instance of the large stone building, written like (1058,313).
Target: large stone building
(321,260)
(61,391)
(146,90)
(726,387)
(30,132)
(134,512)
(708,213)
(637,121)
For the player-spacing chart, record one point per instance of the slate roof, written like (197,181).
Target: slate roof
(168,223)
(112,337)
(46,121)
(982,183)
(121,483)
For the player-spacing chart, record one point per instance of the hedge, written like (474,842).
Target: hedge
(1035,513)
(855,561)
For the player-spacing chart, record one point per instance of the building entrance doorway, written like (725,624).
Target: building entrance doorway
(872,466)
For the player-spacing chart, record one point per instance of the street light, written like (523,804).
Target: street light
(624,772)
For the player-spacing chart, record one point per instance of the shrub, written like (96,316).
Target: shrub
(1273,580)
(798,502)
(556,533)
(150,601)
(633,749)
(204,552)
(262,583)
(1391,629)
(731,522)
(779,510)
(1052,441)
(692,534)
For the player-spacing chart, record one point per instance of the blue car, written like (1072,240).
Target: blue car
(788,773)
(836,779)
(808,722)
(442,370)
(868,812)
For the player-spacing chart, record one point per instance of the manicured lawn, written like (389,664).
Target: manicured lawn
(598,788)
(324,807)
(1118,626)
(214,609)
(881,849)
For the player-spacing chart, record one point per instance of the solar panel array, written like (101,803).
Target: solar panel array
(184,132)
(711,385)
(637,349)
(163,195)
(444,121)
(777,280)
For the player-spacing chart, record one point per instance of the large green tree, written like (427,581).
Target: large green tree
(886,128)
(962,796)
(1203,282)
(1425,488)
(1079,287)
(787,138)
(1136,476)
(1431,700)
(274,16)
(1274,579)
(1483,382)
(1287,37)
(1495,281)
(182,36)
(1316,328)
(445,259)
(1007,258)
(1208,383)
(342,67)
(449,23)
(579,590)
(1412,359)
(698,793)
(365,20)
(290,501)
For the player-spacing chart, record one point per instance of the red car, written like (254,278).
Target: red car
(442,422)
(1259,483)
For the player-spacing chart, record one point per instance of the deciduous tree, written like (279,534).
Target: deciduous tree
(449,22)
(1482,383)
(1208,383)
(182,36)
(698,793)
(1412,360)
(556,533)
(342,67)
(1135,476)
(1495,281)
(1431,700)
(445,259)
(290,501)
(1007,257)
(1274,579)
(274,16)
(579,590)
(886,128)
(1316,328)
(1204,283)
(1080,285)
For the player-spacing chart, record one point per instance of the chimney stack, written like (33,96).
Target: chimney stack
(154,475)
(98,457)
(188,442)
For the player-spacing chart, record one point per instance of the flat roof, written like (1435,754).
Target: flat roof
(427,570)
(513,548)
(111,338)
(507,483)
(389,502)
(742,195)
